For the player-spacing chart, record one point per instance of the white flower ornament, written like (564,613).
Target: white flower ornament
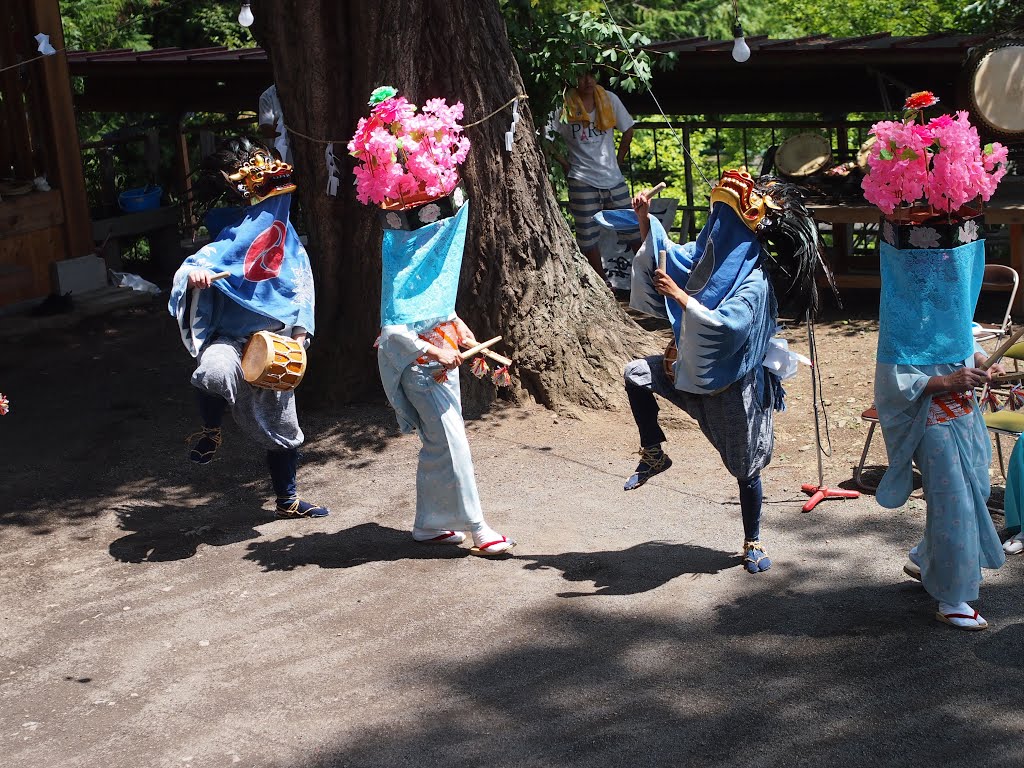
(924,237)
(968,233)
(888,233)
(394,220)
(429,213)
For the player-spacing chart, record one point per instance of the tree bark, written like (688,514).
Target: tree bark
(522,275)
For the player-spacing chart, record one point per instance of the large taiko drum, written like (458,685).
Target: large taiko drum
(272,361)
(997,87)
(803,155)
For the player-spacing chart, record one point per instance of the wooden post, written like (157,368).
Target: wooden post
(62,137)
(688,173)
(18,145)
(183,171)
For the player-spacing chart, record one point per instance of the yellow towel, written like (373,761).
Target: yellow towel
(573,110)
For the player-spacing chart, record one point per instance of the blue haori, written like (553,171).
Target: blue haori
(722,340)
(420,275)
(270,277)
(927,303)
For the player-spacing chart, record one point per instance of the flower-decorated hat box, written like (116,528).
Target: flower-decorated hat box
(408,160)
(930,178)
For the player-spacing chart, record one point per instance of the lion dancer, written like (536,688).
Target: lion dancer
(719,297)
(255,276)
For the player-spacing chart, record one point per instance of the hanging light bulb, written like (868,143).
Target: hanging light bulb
(740,49)
(245,17)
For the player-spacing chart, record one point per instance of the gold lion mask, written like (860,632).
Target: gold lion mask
(736,189)
(261,176)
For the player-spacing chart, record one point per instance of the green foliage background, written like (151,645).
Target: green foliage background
(552,40)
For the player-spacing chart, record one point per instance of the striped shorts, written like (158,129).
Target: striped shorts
(585,201)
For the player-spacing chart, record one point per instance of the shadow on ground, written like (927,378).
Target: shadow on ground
(636,569)
(359,545)
(858,676)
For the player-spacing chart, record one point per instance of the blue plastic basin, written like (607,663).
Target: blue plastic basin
(140,199)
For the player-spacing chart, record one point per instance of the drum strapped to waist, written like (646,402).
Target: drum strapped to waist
(272,361)
(669,360)
(803,155)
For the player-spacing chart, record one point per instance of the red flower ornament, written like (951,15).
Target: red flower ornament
(921,100)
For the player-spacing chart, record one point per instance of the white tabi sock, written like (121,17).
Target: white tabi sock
(962,608)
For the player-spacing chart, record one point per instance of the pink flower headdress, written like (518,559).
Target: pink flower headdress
(940,162)
(404,155)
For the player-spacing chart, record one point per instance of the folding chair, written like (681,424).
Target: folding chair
(870,416)
(1004,423)
(998,278)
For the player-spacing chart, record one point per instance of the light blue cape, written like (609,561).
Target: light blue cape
(420,274)
(927,304)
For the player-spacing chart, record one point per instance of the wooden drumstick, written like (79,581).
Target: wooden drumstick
(480,347)
(1001,378)
(655,190)
(662,260)
(994,357)
(499,359)
(220,276)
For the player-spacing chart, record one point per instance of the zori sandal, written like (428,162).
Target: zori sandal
(422,536)
(493,548)
(950,618)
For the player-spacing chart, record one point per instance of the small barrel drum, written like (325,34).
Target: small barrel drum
(272,361)
(669,361)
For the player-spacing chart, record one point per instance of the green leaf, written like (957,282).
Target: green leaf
(909,154)
(885,154)
(988,149)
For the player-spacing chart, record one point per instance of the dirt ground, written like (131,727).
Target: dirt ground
(155,613)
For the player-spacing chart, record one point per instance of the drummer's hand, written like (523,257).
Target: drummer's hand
(642,206)
(996,369)
(666,286)
(466,337)
(200,278)
(449,358)
(300,337)
(964,380)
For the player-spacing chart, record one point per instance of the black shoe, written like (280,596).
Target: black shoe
(300,508)
(204,445)
(653,461)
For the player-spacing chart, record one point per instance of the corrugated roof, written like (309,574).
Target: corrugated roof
(689,45)
(164,56)
(879,41)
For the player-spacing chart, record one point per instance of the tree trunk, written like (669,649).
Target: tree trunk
(522,275)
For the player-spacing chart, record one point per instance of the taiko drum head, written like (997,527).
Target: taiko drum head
(803,155)
(997,88)
(272,361)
